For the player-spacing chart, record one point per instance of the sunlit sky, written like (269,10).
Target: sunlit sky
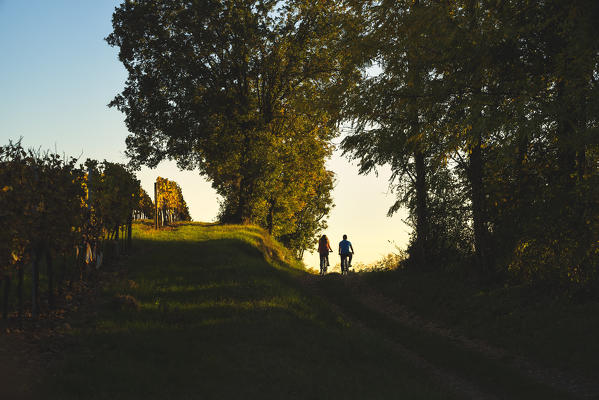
(57,75)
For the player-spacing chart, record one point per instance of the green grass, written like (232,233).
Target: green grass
(553,330)
(221,315)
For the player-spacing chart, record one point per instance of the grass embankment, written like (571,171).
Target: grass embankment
(552,329)
(217,312)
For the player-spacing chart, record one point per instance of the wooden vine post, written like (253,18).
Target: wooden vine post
(50,272)
(155,206)
(35,282)
(129,231)
(35,271)
(5,297)
(20,292)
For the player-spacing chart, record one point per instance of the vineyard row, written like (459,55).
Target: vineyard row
(78,217)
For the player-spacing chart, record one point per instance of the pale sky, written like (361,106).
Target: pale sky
(57,75)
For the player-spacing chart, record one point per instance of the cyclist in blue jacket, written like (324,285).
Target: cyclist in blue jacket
(346,250)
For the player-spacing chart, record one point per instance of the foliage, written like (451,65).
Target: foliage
(496,103)
(242,89)
(111,196)
(390,262)
(144,206)
(41,202)
(171,205)
(52,209)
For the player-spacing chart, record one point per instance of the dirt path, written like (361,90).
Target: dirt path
(372,299)
(552,377)
(442,377)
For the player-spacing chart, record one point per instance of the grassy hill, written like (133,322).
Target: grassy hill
(205,311)
(210,311)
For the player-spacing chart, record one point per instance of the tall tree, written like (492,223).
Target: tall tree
(207,78)
(211,81)
(395,112)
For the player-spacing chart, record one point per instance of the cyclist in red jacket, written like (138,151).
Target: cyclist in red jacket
(324,248)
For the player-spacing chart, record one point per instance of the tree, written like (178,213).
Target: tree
(500,98)
(296,200)
(171,204)
(221,85)
(144,207)
(207,79)
(396,112)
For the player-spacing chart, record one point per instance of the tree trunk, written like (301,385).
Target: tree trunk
(50,271)
(245,182)
(242,214)
(81,260)
(475,173)
(581,161)
(478,206)
(129,232)
(21,274)
(422,214)
(565,137)
(35,284)
(155,205)
(62,274)
(522,190)
(270,216)
(5,297)
(571,156)
(116,238)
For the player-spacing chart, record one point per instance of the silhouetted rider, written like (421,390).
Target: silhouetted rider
(346,250)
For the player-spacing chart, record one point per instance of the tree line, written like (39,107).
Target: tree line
(484,110)
(170,205)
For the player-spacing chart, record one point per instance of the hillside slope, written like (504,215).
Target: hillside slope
(210,311)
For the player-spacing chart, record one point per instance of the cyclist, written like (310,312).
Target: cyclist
(324,248)
(346,251)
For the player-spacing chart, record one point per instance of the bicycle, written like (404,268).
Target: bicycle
(345,264)
(323,265)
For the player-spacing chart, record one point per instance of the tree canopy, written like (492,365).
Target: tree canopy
(170,202)
(485,112)
(238,90)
